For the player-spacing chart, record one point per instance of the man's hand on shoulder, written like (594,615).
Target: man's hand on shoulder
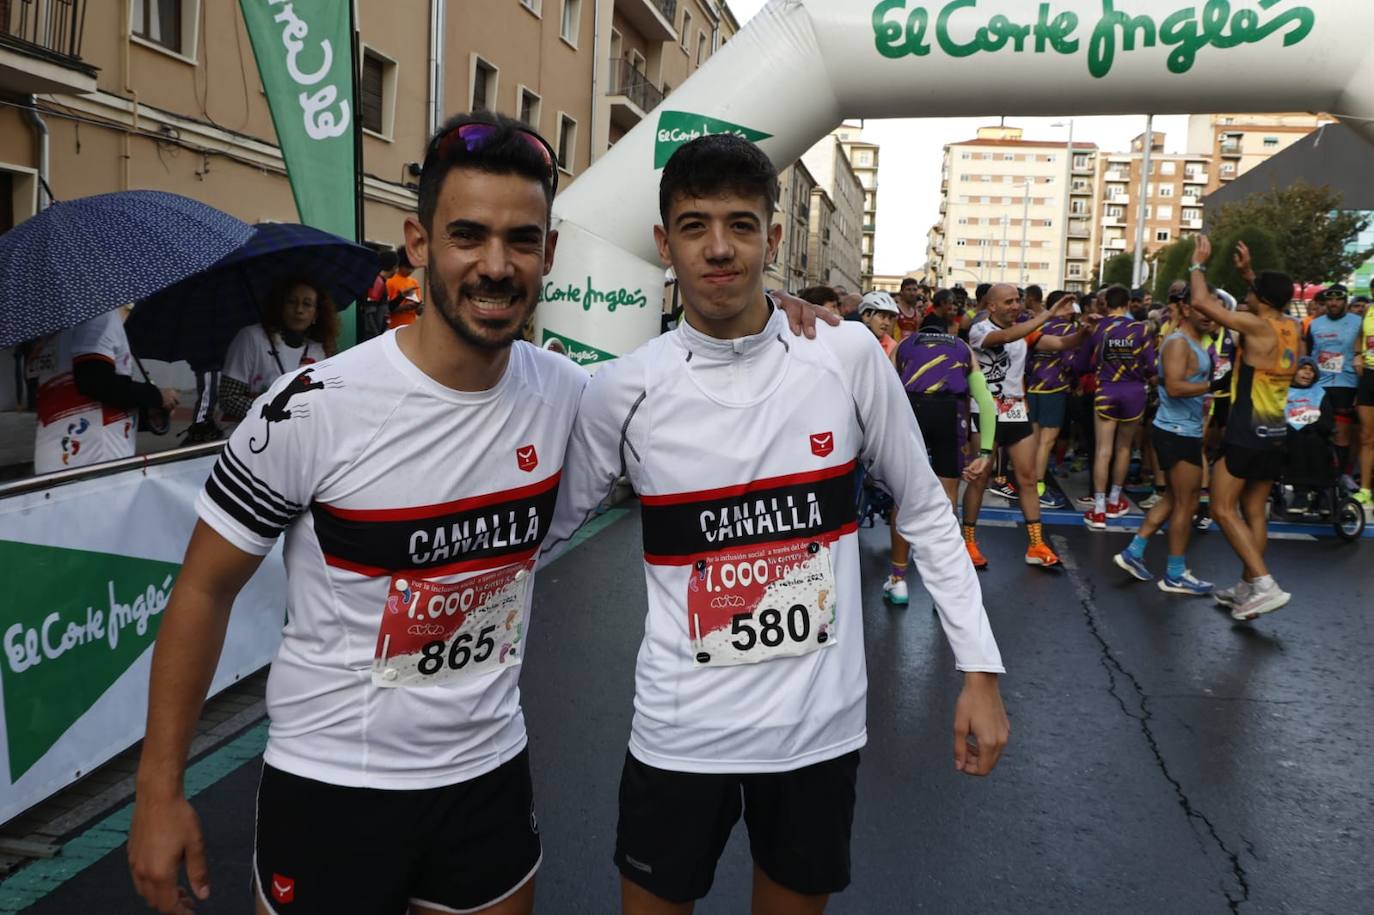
(802,315)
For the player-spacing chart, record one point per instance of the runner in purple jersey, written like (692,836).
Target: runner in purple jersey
(940,374)
(1048,379)
(1124,353)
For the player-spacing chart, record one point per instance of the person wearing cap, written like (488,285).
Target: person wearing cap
(878,311)
(1335,340)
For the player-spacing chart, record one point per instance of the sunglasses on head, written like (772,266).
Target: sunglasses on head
(475,135)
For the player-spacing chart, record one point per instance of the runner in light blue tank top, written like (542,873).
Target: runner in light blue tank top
(1183,415)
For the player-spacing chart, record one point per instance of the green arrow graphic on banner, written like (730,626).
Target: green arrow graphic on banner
(77,621)
(678,127)
(579,352)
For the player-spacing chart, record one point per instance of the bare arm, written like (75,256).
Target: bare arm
(1202,299)
(1018,331)
(1176,381)
(165,830)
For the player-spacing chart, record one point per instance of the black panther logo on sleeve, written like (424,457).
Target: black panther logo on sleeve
(279,409)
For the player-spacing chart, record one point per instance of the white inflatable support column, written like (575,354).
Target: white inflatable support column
(801,65)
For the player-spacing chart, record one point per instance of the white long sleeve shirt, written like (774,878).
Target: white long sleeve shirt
(745,454)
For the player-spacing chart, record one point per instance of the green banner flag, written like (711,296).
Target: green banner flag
(305,58)
(77,621)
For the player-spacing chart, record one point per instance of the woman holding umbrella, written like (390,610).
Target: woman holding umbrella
(300,326)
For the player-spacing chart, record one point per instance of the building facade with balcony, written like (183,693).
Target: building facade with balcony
(1174,190)
(865,158)
(1002,205)
(1236,143)
(796,187)
(828,162)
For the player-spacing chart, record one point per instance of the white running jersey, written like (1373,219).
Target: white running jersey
(1003,366)
(744,454)
(412,514)
(257,359)
(73,430)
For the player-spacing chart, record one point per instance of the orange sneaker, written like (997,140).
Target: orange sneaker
(979,560)
(1041,555)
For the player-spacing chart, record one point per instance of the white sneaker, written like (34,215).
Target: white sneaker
(1233,596)
(894,590)
(1260,602)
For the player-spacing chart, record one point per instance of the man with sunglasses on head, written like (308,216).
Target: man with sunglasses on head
(413,475)
(744,444)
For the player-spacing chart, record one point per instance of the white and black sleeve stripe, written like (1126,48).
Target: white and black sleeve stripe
(247,498)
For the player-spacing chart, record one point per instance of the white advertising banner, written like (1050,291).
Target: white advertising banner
(85,572)
(800,66)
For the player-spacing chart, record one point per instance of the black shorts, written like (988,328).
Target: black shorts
(674,826)
(944,427)
(1342,400)
(1364,394)
(1170,448)
(324,848)
(1253,464)
(1048,410)
(1221,412)
(1008,434)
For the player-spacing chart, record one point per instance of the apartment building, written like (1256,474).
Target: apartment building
(935,254)
(864,157)
(841,250)
(1236,143)
(796,187)
(1003,203)
(819,236)
(1174,189)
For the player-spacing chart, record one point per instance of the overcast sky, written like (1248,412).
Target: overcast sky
(912,149)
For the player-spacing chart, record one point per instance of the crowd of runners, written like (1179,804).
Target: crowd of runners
(440,465)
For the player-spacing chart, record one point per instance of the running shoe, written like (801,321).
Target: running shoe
(1233,596)
(1052,499)
(1135,567)
(1202,523)
(1004,488)
(1363,497)
(1095,520)
(1260,602)
(1043,556)
(1151,500)
(979,560)
(1185,584)
(894,590)
(1085,501)
(1118,509)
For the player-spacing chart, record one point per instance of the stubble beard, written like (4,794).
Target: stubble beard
(487,335)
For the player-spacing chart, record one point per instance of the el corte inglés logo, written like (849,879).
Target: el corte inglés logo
(678,127)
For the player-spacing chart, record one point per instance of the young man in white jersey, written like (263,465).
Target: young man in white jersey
(743,443)
(415,477)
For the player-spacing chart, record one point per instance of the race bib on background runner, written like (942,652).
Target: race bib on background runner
(435,632)
(758,603)
(1011,410)
(1330,362)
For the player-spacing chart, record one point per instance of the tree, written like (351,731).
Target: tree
(1171,265)
(1119,270)
(1222,273)
(1315,240)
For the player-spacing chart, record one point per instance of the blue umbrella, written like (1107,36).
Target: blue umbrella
(197,318)
(83,257)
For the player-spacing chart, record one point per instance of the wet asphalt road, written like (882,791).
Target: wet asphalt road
(1163,758)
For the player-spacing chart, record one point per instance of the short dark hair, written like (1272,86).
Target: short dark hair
(942,298)
(1117,296)
(910,281)
(1273,288)
(386,259)
(1054,298)
(1035,292)
(981,292)
(818,295)
(402,258)
(504,153)
(715,164)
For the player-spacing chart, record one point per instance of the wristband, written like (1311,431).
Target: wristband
(1202,267)
(985,452)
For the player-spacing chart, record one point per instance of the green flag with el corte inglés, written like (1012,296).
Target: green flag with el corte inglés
(304,51)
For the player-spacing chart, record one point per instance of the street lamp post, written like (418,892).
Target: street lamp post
(1144,200)
(1025,223)
(1064,222)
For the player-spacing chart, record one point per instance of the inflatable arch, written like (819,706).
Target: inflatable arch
(800,66)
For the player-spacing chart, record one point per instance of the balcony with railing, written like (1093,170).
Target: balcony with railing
(632,94)
(1115,244)
(651,18)
(40,47)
